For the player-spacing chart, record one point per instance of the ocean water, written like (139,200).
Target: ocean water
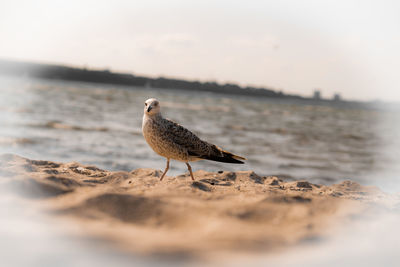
(101,125)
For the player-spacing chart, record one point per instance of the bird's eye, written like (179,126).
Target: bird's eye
(145,104)
(155,104)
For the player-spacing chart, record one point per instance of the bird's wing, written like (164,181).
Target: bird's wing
(185,138)
(195,146)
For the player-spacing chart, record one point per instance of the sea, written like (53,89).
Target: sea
(96,124)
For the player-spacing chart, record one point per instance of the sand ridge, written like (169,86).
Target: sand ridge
(219,212)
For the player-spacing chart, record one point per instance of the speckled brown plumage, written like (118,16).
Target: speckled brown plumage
(173,141)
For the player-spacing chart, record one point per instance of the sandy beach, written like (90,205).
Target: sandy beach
(220,213)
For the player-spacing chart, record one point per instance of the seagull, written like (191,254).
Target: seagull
(173,141)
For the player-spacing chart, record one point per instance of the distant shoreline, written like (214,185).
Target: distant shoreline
(66,73)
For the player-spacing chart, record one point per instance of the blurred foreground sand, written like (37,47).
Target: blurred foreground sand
(218,214)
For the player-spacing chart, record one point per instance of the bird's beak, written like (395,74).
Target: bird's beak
(149,108)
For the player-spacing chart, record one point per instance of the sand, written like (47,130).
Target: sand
(220,213)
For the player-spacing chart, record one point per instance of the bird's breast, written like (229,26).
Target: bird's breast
(155,136)
(149,130)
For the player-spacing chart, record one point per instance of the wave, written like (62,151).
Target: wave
(65,126)
(16,141)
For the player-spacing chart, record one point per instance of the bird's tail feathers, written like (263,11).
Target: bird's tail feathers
(224,156)
(234,156)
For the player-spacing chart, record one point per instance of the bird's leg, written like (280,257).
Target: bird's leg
(165,171)
(190,170)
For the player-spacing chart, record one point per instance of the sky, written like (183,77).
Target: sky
(347,47)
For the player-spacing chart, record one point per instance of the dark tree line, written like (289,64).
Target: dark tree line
(47,71)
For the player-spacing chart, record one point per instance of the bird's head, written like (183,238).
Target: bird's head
(151,106)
